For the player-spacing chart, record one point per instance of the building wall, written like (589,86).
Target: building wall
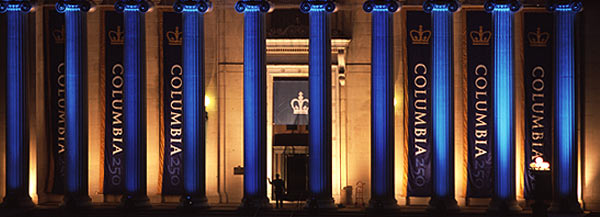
(590,102)
(358,101)
(224,89)
(2,108)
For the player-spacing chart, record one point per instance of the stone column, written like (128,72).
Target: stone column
(194,123)
(255,103)
(442,198)
(565,132)
(382,103)
(134,102)
(17,135)
(76,106)
(319,115)
(502,100)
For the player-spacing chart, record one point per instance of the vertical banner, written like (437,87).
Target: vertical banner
(114,156)
(418,90)
(54,58)
(538,71)
(171,72)
(479,63)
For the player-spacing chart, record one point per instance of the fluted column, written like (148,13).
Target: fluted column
(319,115)
(194,125)
(382,103)
(17,136)
(442,198)
(134,102)
(565,135)
(255,103)
(76,194)
(502,100)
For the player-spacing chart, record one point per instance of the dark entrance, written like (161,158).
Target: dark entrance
(290,160)
(296,172)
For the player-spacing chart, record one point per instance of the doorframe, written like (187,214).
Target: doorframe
(299,47)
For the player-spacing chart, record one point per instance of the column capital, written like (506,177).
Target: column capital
(23,6)
(512,5)
(442,5)
(381,5)
(253,5)
(565,5)
(63,6)
(314,5)
(132,5)
(197,6)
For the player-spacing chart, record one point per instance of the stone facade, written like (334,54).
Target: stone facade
(351,106)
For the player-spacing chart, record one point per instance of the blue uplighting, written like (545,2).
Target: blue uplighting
(565,135)
(17,146)
(194,126)
(254,97)
(319,125)
(76,95)
(382,95)
(442,97)
(319,82)
(503,97)
(134,91)
(253,70)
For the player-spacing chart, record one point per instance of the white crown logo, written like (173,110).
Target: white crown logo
(300,104)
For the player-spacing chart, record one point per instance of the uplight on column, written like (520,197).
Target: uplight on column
(255,102)
(17,136)
(442,198)
(76,107)
(194,124)
(565,136)
(319,79)
(382,103)
(502,100)
(134,102)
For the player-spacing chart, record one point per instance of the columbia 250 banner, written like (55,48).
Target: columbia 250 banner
(114,159)
(479,62)
(54,58)
(418,89)
(171,72)
(538,47)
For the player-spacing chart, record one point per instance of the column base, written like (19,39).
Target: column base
(17,201)
(320,204)
(135,202)
(383,205)
(189,202)
(443,205)
(254,203)
(570,205)
(73,201)
(508,206)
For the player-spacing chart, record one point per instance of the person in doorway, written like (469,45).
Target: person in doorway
(279,188)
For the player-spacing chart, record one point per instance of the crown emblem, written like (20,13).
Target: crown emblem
(116,37)
(174,37)
(300,104)
(480,37)
(538,38)
(420,36)
(59,35)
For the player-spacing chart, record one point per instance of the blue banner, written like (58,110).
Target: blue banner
(290,101)
(418,90)
(171,71)
(538,72)
(114,155)
(54,58)
(479,62)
